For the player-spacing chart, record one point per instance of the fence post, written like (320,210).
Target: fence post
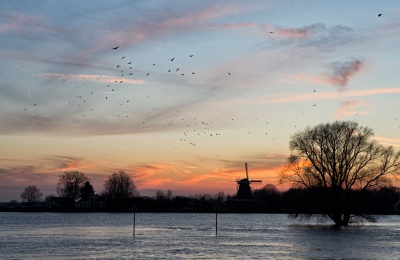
(216,221)
(134,218)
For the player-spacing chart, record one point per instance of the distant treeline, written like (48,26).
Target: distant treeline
(267,199)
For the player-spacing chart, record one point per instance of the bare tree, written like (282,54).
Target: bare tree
(120,185)
(337,162)
(86,191)
(70,184)
(31,194)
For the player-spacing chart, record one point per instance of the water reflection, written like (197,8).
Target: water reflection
(185,236)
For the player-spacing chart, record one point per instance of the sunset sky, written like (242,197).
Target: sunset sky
(250,76)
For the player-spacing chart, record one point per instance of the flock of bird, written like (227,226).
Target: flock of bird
(195,127)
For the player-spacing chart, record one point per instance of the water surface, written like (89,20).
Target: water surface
(185,236)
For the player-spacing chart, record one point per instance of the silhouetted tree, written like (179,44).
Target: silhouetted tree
(338,162)
(120,185)
(86,191)
(31,194)
(270,195)
(70,184)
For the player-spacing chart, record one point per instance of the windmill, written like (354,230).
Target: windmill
(243,189)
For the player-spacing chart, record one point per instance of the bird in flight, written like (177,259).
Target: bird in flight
(190,56)
(229,73)
(116,48)
(118,66)
(379,15)
(130,62)
(177,69)
(123,57)
(148,74)
(172,59)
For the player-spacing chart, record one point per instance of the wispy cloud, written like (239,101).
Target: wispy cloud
(22,22)
(323,96)
(387,141)
(352,107)
(90,78)
(316,35)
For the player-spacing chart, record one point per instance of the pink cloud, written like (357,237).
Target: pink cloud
(292,32)
(170,25)
(27,23)
(327,95)
(351,108)
(232,26)
(387,141)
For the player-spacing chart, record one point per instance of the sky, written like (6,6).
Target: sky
(194,90)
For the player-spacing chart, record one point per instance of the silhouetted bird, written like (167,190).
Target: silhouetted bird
(116,48)
(229,73)
(379,15)
(169,70)
(120,82)
(172,59)
(148,74)
(177,69)
(123,57)
(192,72)
(118,66)
(129,62)
(190,56)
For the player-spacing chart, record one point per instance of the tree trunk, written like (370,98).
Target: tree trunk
(337,218)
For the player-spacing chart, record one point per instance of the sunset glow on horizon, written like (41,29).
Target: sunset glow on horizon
(191,93)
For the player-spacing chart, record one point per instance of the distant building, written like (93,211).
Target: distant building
(94,201)
(60,202)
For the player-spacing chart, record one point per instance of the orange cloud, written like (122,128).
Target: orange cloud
(90,78)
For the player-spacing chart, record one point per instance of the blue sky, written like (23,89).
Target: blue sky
(258,73)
